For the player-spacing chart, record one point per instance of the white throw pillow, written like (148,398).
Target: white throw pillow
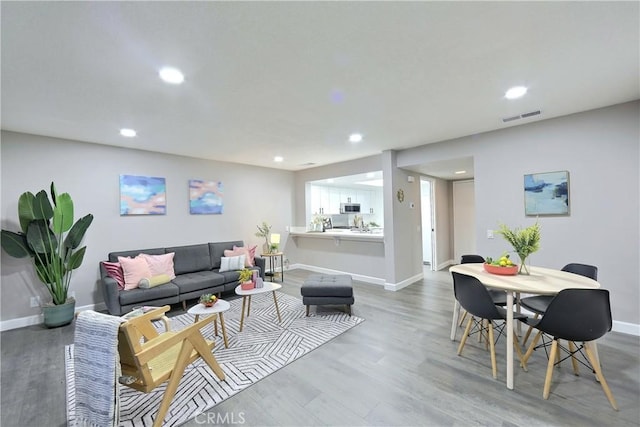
(232,263)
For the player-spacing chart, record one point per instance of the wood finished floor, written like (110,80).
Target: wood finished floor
(398,368)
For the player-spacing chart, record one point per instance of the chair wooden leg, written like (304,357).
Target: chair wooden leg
(308,310)
(494,365)
(464,315)
(198,342)
(596,367)
(527,355)
(184,305)
(574,361)
(174,381)
(465,335)
(550,364)
(526,336)
(516,345)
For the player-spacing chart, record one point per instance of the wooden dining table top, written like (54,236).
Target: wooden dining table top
(542,281)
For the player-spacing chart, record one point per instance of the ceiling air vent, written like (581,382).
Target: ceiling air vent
(533,113)
(510,119)
(308,164)
(521,116)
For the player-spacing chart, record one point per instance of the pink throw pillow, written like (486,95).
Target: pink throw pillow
(160,264)
(251,253)
(237,252)
(134,269)
(114,270)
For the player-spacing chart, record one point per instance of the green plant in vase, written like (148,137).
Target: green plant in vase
(263,231)
(51,239)
(245,275)
(525,241)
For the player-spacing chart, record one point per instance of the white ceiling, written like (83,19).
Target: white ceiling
(296,78)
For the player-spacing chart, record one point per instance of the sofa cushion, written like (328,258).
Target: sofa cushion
(217,251)
(139,296)
(153,281)
(192,258)
(232,263)
(160,264)
(114,270)
(251,250)
(190,282)
(134,269)
(113,256)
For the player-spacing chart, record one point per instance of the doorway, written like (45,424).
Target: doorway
(428,227)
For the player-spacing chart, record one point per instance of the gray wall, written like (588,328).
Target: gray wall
(600,149)
(90,174)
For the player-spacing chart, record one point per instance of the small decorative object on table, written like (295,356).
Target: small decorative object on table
(245,279)
(524,241)
(263,231)
(502,265)
(208,300)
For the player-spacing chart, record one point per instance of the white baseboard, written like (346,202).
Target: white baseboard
(445,264)
(626,328)
(37,319)
(403,284)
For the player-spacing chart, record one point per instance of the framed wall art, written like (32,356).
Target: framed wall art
(142,195)
(205,197)
(546,193)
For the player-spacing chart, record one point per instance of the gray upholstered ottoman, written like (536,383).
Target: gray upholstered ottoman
(327,289)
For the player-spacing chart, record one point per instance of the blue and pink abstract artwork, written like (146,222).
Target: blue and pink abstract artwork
(142,195)
(205,197)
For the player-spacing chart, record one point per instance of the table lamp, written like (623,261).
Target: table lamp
(275,241)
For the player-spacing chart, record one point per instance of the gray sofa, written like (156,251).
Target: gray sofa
(197,272)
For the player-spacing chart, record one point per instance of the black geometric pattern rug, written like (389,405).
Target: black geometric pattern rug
(263,347)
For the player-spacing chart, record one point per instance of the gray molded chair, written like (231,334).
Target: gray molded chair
(475,299)
(575,315)
(538,304)
(498,297)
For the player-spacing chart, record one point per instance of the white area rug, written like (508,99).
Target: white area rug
(263,347)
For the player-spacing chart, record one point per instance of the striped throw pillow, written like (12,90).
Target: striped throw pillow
(114,270)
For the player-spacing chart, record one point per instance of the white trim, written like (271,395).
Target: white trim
(626,328)
(37,319)
(445,264)
(403,284)
(358,277)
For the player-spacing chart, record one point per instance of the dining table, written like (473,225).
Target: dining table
(539,281)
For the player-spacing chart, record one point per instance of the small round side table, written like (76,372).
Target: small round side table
(218,308)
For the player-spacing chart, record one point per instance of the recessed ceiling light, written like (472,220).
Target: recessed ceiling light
(355,137)
(460,172)
(129,133)
(515,92)
(171,75)
(278,159)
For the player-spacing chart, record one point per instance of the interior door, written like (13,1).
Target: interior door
(464,219)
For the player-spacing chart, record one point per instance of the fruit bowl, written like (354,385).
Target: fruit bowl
(503,271)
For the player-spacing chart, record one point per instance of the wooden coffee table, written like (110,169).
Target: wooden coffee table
(218,308)
(246,298)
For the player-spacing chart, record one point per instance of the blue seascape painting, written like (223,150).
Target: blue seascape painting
(205,197)
(546,193)
(142,195)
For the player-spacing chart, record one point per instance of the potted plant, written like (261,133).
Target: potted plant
(263,231)
(244,278)
(50,237)
(524,241)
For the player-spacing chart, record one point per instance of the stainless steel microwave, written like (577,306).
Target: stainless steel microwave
(347,208)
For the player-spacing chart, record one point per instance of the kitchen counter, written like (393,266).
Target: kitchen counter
(376,235)
(340,251)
